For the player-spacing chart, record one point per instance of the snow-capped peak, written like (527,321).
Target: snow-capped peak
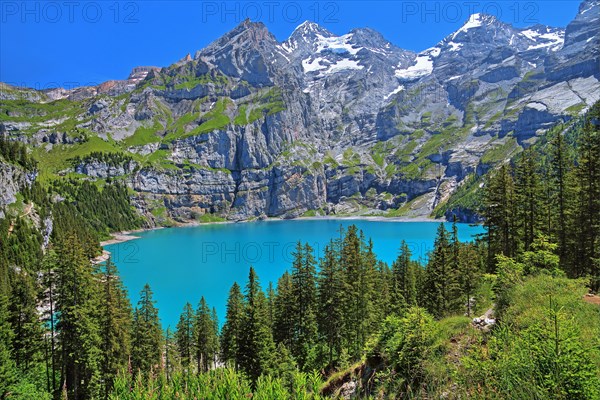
(543,36)
(475,21)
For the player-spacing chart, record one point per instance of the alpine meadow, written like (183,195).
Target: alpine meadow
(306,215)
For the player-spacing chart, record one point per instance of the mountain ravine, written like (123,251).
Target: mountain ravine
(251,127)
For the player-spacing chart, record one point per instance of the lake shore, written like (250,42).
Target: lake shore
(376,218)
(125,236)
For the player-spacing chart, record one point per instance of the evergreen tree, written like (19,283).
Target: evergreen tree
(115,321)
(256,346)
(558,198)
(588,198)
(304,296)
(77,303)
(7,367)
(146,349)
(358,290)
(469,274)
(283,326)
(25,321)
(232,329)
(404,290)
(330,296)
(527,198)
(271,295)
(205,336)
(49,267)
(184,336)
(436,288)
(499,214)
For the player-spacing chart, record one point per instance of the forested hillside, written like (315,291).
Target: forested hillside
(344,325)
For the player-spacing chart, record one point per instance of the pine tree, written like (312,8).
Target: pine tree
(184,336)
(527,198)
(404,291)
(304,295)
(115,321)
(24,319)
(146,349)
(588,198)
(8,373)
(232,329)
(499,214)
(469,274)
(49,266)
(330,296)
(454,294)
(271,295)
(358,289)
(205,336)
(558,199)
(216,339)
(77,303)
(436,275)
(256,346)
(285,303)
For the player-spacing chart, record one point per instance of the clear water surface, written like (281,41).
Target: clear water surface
(183,264)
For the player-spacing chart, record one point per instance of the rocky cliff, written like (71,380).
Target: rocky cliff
(252,127)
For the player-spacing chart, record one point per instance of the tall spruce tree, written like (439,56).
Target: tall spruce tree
(304,295)
(146,347)
(436,289)
(330,300)
(588,198)
(115,322)
(256,346)
(25,321)
(184,336)
(285,303)
(404,290)
(499,214)
(527,198)
(77,303)
(205,336)
(232,329)
(8,373)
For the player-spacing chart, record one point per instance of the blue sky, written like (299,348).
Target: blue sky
(73,43)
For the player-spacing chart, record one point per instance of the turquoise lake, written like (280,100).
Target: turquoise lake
(183,264)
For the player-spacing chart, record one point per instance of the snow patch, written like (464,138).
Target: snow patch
(455,46)
(474,21)
(314,65)
(433,52)
(537,106)
(554,40)
(395,91)
(343,65)
(423,67)
(336,44)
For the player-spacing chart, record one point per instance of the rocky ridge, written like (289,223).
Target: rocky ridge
(252,127)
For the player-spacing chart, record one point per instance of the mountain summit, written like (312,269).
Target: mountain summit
(253,127)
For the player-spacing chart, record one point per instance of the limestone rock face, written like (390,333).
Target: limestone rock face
(251,127)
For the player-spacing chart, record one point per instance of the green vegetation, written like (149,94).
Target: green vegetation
(500,152)
(143,135)
(190,82)
(210,218)
(51,162)
(402,330)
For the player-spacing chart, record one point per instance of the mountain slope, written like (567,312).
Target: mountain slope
(251,127)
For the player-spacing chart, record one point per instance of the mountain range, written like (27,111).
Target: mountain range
(250,127)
